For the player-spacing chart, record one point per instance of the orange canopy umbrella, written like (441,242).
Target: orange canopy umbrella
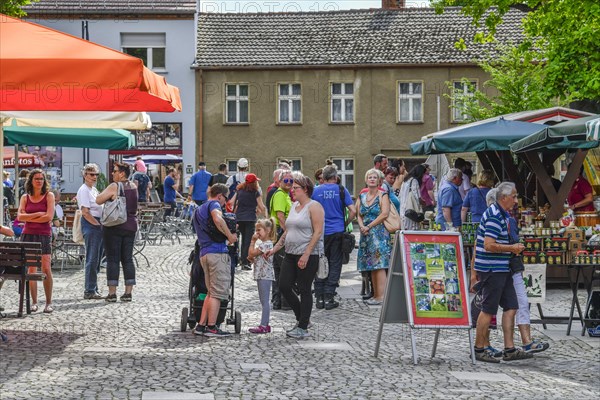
(42,69)
(26,160)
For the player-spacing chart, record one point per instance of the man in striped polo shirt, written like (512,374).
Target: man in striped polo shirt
(493,251)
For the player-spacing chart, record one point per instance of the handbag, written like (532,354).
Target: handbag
(413,210)
(323,270)
(392,222)
(115,211)
(77,232)
(348,239)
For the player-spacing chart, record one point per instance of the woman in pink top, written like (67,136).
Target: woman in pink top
(36,209)
(427,190)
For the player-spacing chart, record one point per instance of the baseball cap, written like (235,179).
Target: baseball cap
(242,163)
(251,178)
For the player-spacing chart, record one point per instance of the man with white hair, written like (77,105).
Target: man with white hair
(492,255)
(450,201)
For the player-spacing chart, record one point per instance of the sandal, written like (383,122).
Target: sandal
(34,307)
(48,309)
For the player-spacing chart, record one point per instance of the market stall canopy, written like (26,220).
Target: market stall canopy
(77,119)
(566,135)
(44,69)
(25,160)
(495,134)
(156,159)
(593,129)
(112,139)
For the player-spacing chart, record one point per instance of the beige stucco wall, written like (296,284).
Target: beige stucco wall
(375,129)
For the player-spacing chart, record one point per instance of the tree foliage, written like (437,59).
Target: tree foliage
(13,7)
(518,80)
(563,34)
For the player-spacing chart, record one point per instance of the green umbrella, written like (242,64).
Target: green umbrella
(570,134)
(112,139)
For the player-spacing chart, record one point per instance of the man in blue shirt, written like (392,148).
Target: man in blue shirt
(328,194)
(171,192)
(492,254)
(199,184)
(450,201)
(214,258)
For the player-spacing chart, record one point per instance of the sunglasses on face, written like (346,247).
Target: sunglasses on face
(38,179)
(93,174)
(288,180)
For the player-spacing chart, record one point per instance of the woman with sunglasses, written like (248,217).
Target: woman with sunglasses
(119,239)
(303,241)
(91,212)
(36,209)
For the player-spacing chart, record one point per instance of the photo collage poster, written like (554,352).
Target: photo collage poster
(436,279)
(161,136)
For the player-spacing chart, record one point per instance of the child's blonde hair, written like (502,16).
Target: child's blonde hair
(268,224)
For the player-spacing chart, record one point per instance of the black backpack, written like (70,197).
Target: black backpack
(211,229)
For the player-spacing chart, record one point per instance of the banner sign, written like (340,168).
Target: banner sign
(435,278)
(162,136)
(534,278)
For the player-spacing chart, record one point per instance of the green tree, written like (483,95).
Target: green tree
(517,77)
(13,7)
(564,34)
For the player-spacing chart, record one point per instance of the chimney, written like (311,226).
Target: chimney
(392,4)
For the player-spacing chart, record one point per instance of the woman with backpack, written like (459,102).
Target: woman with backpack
(247,202)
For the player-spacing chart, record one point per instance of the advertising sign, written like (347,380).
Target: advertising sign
(435,278)
(162,136)
(534,278)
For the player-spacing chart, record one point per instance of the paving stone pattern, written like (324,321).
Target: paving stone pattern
(91,349)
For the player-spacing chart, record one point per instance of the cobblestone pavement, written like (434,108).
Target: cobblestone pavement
(90,349)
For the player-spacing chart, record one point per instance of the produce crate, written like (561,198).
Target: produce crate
(557,243)
(530,257)
(555,257)
(534,244)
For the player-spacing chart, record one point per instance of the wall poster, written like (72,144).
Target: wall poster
(162,136)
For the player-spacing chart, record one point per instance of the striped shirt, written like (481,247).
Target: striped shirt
(493,224)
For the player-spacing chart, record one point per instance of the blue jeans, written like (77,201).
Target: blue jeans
(333,252)
(92,234)
(118,244)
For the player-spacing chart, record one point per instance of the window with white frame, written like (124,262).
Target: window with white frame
(345,172)
(296,162)
(410,101)
(342,102)
(150,47)
(462,91)
(290,103)
(236,103)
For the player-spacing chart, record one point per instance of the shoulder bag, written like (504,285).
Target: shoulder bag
(348,239)
(77,232)
(392,222)
(413,210)
(323,270)
(115,211)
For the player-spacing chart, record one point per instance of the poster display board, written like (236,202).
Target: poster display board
(427,286)
(534,278)
(436,280)
(162,136)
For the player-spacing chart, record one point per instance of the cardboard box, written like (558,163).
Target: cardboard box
(576,245)
(573,234)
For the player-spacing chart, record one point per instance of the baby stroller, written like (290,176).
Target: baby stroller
(197,293)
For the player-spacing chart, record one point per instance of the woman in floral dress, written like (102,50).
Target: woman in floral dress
(375,243)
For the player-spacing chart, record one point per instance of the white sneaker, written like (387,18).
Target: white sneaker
(298,333)
(309,326)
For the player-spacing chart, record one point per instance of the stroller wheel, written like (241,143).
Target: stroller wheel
(238,322)
(184,319)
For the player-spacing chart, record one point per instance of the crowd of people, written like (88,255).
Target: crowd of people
(287,232)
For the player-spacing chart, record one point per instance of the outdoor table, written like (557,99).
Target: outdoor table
(574,271)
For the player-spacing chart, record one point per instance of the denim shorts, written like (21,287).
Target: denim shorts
(497,289)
